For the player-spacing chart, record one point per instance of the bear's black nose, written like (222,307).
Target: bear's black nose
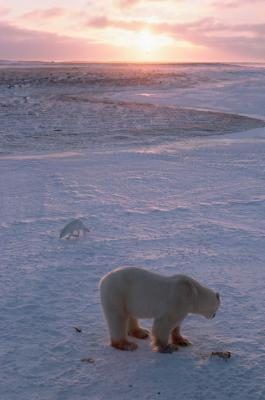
(213,315)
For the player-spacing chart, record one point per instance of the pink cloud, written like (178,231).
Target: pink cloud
(190,30)
(244,40)
(4,11)
(24,44)
(130,3)
(203,25)
(102,22)
(233,3)
(238,42)
(99,22)
(48,13)
(225,4)
(126,3)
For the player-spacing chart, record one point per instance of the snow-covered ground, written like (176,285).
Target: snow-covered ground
(175,185)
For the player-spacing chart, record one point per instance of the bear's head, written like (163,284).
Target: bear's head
(202,300)
(196,298)
(206,301)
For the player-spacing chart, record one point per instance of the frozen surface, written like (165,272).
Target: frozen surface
(169,201)
(54,108)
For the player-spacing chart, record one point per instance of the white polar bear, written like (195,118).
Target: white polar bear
(131,293)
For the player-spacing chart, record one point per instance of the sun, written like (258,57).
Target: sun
(144,45)
(146,42)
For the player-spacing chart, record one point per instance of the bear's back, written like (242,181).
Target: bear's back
(143,294)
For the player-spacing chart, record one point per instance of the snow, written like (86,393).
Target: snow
(157,199)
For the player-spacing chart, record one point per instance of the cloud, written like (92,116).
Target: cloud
(131,3)
(126,3)
(183,29)
(238,41)
(225,4)
(4,11)
(48,13)
(241,39)
(23,44)
(102,22)
(234,3)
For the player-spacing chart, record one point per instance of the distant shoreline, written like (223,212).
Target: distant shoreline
(124,63)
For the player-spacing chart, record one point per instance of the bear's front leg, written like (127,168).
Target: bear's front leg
(123,344)
(160,334)
(177,339)
(118,333)
(135,330)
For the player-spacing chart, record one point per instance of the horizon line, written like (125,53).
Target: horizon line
(125,62)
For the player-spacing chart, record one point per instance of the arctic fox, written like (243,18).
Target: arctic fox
(74,229)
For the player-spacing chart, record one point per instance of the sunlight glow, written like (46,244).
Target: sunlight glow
(147,46)
(146,41)
(132,30)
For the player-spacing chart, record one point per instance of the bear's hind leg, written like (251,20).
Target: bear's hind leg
(118,333)
(160,332)
(177,339)
(135,330)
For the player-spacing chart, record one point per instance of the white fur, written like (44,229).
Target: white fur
(131,293)
(73,229)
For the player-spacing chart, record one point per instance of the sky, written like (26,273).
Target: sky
(133,30)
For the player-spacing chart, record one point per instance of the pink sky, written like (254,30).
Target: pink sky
(133,30)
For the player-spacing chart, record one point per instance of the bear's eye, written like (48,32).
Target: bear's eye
(218,296)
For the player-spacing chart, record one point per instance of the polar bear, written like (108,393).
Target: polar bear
(131,293)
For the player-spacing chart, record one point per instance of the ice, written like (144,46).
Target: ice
(60,108)
(185,200)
